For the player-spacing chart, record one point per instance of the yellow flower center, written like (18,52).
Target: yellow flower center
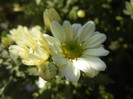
(72,50)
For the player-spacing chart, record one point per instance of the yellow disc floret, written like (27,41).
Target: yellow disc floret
(72,49)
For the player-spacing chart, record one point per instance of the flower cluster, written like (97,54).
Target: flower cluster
(73,48)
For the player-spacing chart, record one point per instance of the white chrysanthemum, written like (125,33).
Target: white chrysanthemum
(75,47)
(31,45)
(129,8)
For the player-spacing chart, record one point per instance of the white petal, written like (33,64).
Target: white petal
(41,83)
(95,63)
(84,66)
(126,12)
(60,59)
(71,72)
(93,73)
(57,31)
(100,51)
(68,30)
(55,46)
(86,31)
(94,41)
(76,28)
(51,40)
(14,49)
(81,64)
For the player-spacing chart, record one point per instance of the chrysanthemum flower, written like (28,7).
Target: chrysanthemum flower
(75,47)
(31,45)
(129,8)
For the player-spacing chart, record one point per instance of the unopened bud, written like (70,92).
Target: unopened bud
(50,15)
(131,1)
(6,41)
(81,13)
(18,8)
(48,70)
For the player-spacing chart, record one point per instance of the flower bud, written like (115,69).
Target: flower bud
(48,70)
(50,15)
(18,8)
(6,41)
(81,13)
(131,1)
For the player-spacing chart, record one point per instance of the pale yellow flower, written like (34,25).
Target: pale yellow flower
(129,8)
(31,45)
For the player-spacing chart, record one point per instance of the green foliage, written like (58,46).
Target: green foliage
(18,81)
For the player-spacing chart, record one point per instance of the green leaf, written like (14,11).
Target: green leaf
(33,71)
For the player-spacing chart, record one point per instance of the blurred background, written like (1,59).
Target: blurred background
(18,81)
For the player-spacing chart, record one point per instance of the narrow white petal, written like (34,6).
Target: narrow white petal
(51,40)
(60,59)
(55,46)
(95,40)
(68,30)
(29,63)
(86,31)
(71,72)
(14,49)
(100,51)
(76,28)
(57,31)
(95,63)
